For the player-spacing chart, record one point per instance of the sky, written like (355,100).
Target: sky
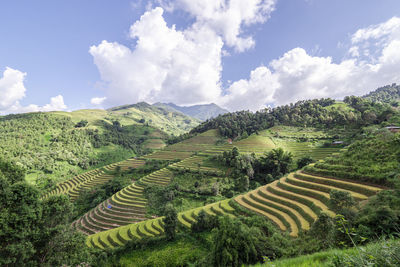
(239,54)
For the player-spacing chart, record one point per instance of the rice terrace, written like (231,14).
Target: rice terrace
(189,133)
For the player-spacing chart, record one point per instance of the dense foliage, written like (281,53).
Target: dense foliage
(249,170)
(36,232)
(374,158)
(387,94)
(309,113)
(46,144)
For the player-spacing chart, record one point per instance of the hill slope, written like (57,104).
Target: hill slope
(166,119)
(385,94)
(201,112)
(53,145)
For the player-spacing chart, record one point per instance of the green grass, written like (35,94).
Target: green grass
(154,144)
(179,252)
(320,259)
(372,253)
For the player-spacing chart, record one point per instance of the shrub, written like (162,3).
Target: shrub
(170,221)
(304,161)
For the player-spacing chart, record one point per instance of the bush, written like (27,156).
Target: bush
(304,161)
(385,253)
(170,221)
(204,222)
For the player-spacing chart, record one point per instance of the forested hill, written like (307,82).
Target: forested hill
(58,145)
(319,113)
(387,94)
(172,122)
(201,112)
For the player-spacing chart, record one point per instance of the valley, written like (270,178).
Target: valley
(286,179)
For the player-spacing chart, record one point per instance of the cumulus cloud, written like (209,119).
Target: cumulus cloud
(184,66)
(374,60)
(97,100)
(367,43)
(12,90)
(180,66)
(251,94)
(165,65)
(12,87)
(227,17)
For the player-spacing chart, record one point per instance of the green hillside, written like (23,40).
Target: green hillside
(201,112)
(168,121)
(295,203)
(243,188)
(387,94)
(58,145)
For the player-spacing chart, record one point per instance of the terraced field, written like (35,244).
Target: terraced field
(73,187)
(187,218)
(196,163)
(299,149)
(119,236)
(124,207)
(167,155)
(267,140)
(199,143)
(294,202)
(186,148)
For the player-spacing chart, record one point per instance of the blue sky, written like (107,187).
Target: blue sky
(46,46)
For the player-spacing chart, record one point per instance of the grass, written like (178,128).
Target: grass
(154,144)
(180,252)
(373,254)
(320,259)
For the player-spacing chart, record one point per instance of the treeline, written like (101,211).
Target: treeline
(319,113)
(387,94)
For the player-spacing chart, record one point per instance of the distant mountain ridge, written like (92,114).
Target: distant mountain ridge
(201,112)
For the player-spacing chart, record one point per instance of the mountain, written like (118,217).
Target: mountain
(201,112)
(385,94)
(171,121)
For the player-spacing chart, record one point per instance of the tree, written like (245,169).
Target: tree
(82,123)
(340,201)
(277,162)
(242,183)
(204,222)
(323,230)
(36,232)
(235,243)
(304,161)
(170,221)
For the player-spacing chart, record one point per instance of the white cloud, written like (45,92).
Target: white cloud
(251,94)
(165,65)
(184,66)
(56,104)
(12,87)
(97,100)
(180,66)
(298,76)
(388,30)
(227,17)
(12,90)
